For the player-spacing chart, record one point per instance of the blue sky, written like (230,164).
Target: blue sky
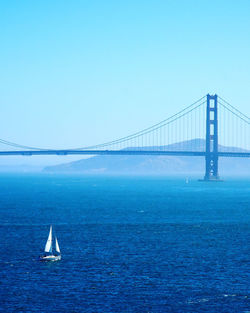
(75,73)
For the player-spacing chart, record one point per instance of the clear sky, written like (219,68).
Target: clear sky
(75,73)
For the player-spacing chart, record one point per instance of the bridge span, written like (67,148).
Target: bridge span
(222,131)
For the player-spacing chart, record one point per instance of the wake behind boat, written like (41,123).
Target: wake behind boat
(49,255)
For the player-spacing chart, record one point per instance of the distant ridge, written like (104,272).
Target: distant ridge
(146,164)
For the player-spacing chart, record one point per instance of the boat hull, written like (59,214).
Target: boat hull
(50,258)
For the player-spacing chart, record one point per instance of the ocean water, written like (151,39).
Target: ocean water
(129,244)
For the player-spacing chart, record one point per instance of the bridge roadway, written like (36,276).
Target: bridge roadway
(120,152)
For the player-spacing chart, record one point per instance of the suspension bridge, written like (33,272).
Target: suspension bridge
(210,127)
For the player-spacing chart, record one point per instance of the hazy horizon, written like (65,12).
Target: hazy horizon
(132,165)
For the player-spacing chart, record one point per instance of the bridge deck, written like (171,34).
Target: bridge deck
(120,152)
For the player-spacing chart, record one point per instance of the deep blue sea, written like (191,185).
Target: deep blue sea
(129,244)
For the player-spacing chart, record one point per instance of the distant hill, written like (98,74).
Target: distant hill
(147,164)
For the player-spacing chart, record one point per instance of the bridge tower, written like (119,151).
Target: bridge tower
(212,139)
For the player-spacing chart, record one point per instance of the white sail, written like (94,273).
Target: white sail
(57,247)
(48,246)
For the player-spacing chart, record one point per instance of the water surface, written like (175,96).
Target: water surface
(129,244)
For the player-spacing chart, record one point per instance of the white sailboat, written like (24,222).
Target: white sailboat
(49,255)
